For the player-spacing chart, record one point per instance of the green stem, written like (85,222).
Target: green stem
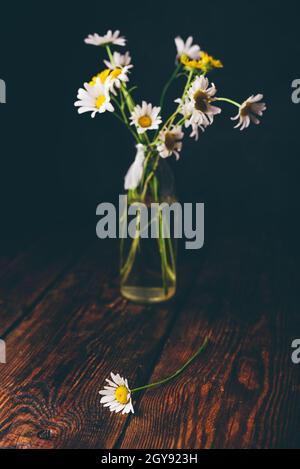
(110,56)
(163,255)
(177,373)
(168,84)
(127,267)
(127,96)
(150,176)
(148,156)
(227,100)
(173,116)
(167,271)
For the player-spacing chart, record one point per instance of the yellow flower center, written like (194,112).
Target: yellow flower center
(100,101)
(116,72)
(145,121)
(121,395)
(102,75)
(201,101)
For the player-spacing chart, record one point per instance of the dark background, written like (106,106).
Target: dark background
(56,166)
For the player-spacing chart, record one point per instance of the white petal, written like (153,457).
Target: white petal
(111,383)
(116,378)
(107,393)
(106,399)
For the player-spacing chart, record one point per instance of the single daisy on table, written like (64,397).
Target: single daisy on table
(201,95)
(94,98)
(187,48)
(117,395)
(119,61)
(145,117)
(170,142)
(108,38)
(249,110)
(135,172)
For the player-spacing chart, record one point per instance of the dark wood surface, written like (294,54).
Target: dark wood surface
(66,328)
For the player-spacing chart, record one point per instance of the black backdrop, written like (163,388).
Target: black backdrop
(57,166)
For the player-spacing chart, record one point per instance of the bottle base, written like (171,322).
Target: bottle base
(147,295)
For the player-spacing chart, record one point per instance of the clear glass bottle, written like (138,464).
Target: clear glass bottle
(148,265)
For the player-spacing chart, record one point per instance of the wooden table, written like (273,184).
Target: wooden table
(66,328)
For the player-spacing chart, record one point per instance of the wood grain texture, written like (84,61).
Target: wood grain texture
(59,357)
(25,276)
(244,391)
(73,329)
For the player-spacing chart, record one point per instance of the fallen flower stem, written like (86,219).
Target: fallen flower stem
(177,373)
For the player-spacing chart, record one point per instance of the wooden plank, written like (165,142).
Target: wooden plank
(244,391)
(59,357)
(31,272)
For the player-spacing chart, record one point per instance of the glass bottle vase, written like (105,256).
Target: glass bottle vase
(148,261)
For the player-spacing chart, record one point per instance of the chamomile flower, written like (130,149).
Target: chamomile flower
(117,76)
(145,117)
(186,109)
(201,95)
(249,110)
(108,38)
(94,98)
(135,172)
(170,142)
(187,48)
(114,77)
(119,61)
(117,395)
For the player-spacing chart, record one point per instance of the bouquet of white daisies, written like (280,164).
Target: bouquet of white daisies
(155,138)
(195,109)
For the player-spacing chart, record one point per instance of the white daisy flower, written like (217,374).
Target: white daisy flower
(94,98)
(186,109)
(117,395)
(169,142)
(108,38)
(201,96)
(145,117)
(112,78)
(117,76)
(249,110)
(135,172)
(187,48)
(119,61)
